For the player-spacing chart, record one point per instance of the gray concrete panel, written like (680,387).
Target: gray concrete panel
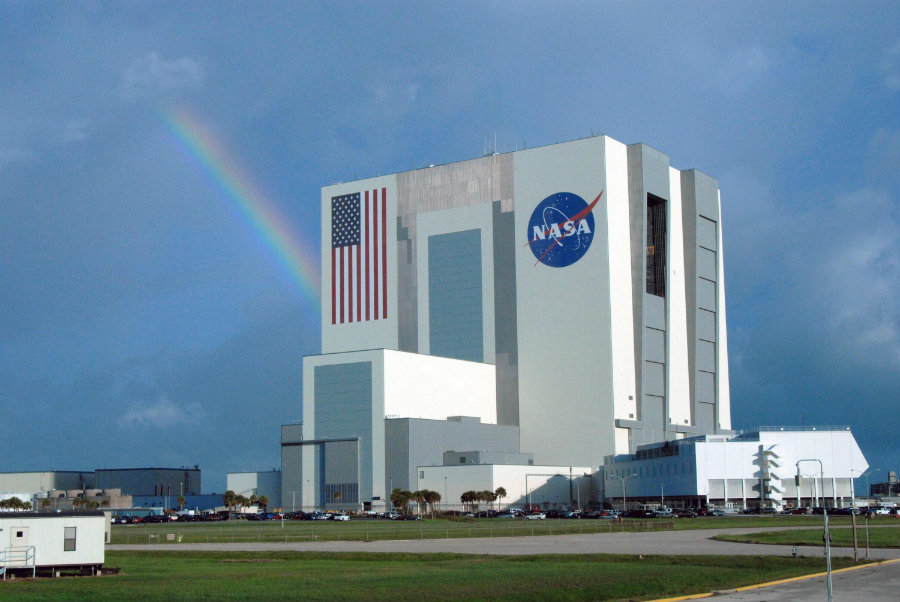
(654,311)
(707,195)
(654,346)
(706,325)
(706,294)
(654,378)
(706,264)
(506,339)
(706,233)
(706,356)
(705,420)
(706,387)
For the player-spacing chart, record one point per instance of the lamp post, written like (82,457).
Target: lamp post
(624,488)
(827,537)
(866,475)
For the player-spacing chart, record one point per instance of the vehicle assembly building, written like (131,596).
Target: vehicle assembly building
(563,304)
(573,291)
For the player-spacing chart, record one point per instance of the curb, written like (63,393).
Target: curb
(770,583)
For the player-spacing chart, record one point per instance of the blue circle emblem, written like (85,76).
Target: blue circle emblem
(561,229)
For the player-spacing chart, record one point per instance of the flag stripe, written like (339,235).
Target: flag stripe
(383,254)
(375,249)
(359,256)
(367,258)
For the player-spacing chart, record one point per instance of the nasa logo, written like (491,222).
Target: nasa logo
(561,229)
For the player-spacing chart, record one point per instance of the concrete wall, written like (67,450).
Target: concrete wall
(545,486)
(415,442)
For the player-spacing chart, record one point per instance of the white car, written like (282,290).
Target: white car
(341,516)
(536,516)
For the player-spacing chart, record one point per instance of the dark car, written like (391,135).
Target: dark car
(685,513)
(409,517)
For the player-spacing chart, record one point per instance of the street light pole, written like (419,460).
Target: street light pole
(866,474)
(624,488)
(827,536)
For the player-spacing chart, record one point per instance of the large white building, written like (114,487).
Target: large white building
(770,467)
(574,291)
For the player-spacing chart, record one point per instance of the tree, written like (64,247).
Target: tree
(500,492)
(229,498)
(400,499)
(263,501)
(432,498)
(419,498)
(181,501)
(253,499)
(468,498)
(240,501)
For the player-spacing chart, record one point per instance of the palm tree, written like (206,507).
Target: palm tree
(229,498)
(500,492)
(400,499)
(419,498)
(181,501)
(432,498)
(263,501)
(468,498)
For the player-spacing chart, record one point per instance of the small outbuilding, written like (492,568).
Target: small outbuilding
(42,542)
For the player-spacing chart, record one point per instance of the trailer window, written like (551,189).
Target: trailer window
(69,540)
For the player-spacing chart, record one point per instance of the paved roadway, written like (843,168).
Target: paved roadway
(881,582)
(863,584)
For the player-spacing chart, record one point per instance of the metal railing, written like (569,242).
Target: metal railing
(15,557)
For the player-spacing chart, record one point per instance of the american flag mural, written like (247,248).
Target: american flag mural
(359,257)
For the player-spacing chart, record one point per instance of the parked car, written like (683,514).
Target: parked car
(536,516)
(340,516)
(685,513)
(717,512)
(508,515)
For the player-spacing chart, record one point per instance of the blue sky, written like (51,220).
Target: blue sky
(146,322)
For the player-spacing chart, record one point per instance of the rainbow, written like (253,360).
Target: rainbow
(268,225)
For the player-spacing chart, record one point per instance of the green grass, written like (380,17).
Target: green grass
(175,576)
(879,537)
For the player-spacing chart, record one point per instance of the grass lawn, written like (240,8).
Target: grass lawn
(879,537)
(175,576)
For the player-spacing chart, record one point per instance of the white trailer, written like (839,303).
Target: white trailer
(44,542)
